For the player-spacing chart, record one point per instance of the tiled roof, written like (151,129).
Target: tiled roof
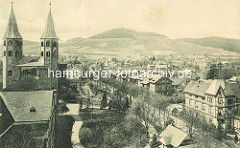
(211,87)
(172,136)
(197,87)
(49,31)
(20,103)
(12,29)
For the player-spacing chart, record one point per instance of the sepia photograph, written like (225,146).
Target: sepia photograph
(119,73)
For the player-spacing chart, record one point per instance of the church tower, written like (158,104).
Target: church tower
(12,52)
(49,48)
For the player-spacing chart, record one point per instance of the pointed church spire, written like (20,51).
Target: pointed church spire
(49,31)
(12,29)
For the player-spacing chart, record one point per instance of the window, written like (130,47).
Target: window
(42,54)
(25,72)
(42,43)
(10,73)
(48,43)
(54,44)
(17,43)
(10,53)
(4,53)
(48,54)
(4,43)
(34,72)
(9,43)
(16,54)
(220,100)
(203,106)
(210,99)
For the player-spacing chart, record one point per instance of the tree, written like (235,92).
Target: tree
(154,143)
(191,119)
(67,90)
(104,100)
(18,136)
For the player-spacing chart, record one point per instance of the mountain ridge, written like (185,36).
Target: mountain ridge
(129,43)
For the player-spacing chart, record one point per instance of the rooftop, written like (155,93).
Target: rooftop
(29,106)
(12,28)
(49,31)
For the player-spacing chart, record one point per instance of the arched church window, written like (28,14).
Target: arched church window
(54,44)
(42,44)
(10,53)
(20,43)
(48,54)
(48,43)
(10,73)
(41,53)
(10,43)
(4,43)
(4,53)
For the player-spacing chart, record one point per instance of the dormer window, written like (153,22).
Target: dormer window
(32,110)
(48,43)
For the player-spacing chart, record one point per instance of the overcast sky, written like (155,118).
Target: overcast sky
(84,18)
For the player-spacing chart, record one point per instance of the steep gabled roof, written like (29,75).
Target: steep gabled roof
(49,31)
(20,103)
(12,29)
(213,88)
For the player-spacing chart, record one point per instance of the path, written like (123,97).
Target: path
(73,111)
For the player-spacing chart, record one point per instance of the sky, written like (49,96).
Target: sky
(85,18)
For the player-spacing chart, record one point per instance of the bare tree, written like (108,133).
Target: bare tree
(191,119)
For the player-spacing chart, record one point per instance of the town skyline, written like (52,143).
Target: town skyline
(176,19)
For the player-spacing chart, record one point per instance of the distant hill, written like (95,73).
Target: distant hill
(127,43)
(124,33)
(75,39)
(216,42)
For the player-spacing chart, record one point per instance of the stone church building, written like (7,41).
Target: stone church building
(29,112)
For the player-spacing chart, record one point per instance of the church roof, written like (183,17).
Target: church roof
(12,29)
(49,31)
(29,106)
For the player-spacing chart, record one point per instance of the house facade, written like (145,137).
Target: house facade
(214,100)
